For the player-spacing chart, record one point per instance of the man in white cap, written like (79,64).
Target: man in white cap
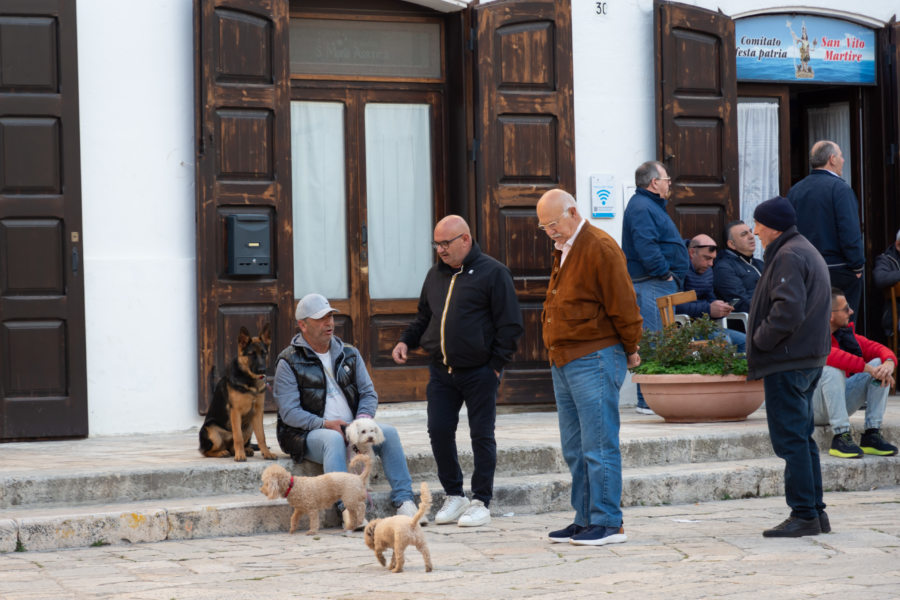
(321,385)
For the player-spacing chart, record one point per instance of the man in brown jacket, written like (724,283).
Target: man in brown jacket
(591,326)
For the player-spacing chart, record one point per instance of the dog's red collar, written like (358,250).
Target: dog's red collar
(290,487)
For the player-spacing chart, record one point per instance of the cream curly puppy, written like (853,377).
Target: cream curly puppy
(362,435)
(398,532)
(308,495)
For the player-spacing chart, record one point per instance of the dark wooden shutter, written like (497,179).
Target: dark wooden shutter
(885,207)
(43,381)
(526,146)
(243,166)
(696,104)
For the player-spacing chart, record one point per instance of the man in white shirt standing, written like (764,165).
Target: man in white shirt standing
(321,385)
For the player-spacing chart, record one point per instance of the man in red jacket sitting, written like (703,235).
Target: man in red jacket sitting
(858,371)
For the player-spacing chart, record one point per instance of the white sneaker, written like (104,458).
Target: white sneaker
(476,515)
(409,509)
(644,410)
(453,508)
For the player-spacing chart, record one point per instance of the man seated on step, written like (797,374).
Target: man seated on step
(321,385)
(702,252)
(858,371)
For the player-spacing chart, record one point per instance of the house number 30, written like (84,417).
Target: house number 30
(601,8)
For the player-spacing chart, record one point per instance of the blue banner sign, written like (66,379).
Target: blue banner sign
(804,49)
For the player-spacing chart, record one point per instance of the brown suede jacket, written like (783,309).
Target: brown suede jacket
(590,301)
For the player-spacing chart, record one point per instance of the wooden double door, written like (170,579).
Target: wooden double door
(368,185)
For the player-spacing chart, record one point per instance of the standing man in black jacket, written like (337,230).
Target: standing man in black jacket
(469,322)
(788,340)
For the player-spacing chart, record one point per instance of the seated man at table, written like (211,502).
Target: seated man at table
(702,252)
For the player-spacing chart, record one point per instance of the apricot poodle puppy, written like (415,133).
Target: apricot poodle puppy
(398,532)
(309,495)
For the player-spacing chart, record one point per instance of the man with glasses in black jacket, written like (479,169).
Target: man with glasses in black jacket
(469,322)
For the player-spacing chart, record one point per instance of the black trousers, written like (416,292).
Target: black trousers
(446,393)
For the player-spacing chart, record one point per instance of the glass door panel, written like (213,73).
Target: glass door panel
(319,199)
(832,122)
(399,198)
(758,155)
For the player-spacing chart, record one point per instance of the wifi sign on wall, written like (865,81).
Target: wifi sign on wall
(603,203)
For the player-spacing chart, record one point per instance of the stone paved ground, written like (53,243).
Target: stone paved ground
(709,550)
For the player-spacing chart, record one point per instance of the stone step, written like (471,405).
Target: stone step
(199,477)
(50,528)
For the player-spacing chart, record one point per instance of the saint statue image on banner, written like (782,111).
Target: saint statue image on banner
(803,70)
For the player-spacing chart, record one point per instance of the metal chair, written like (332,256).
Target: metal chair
(736,316)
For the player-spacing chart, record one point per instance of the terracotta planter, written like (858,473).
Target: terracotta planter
(701,398)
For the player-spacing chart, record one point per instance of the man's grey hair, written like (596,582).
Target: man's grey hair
(898,236)
(647,172)
(821,152)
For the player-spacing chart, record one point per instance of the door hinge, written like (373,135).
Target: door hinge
(892,153)
(475,147)
(471,42)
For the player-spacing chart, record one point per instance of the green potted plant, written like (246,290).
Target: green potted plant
(689,374)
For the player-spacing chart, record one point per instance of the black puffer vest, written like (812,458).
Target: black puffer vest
(310,376)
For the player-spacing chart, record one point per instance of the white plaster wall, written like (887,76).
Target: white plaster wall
(135,66)
(136,104)
(614,81)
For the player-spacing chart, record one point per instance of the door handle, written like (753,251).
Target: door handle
(74,261)
(364,236)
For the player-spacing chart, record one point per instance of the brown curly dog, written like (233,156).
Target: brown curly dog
(398,532)
(308,495)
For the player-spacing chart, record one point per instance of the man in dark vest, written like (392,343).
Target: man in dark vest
(321,385)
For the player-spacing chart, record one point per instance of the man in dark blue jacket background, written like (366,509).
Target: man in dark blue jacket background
(654,249)
(828,216)
(736,270)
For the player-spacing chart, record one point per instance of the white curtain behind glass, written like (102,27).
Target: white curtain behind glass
(757,155)
(319,199)
(398,198)
(832,122)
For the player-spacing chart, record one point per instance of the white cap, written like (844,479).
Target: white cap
(313,306)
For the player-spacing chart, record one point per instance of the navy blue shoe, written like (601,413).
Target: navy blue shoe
(562,536)
(598,535)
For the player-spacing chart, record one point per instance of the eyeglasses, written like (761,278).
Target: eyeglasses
(663,178)
(446,243)
(554,223)
(712,247)
(845,309)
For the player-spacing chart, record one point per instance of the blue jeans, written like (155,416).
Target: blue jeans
(587,405)
(446,392)
(789,413)
(837,397)
(647,292)
(326,447)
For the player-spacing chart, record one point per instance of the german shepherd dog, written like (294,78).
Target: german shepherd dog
(237,402)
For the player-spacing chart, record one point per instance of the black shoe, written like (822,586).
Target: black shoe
(871,442)
(842,446)
(794,527)
(562,536)
(824,523)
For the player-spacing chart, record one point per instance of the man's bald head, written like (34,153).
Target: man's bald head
(453,240)
(557,214)
(702,250)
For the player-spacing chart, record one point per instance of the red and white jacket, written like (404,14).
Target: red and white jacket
(850,363)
